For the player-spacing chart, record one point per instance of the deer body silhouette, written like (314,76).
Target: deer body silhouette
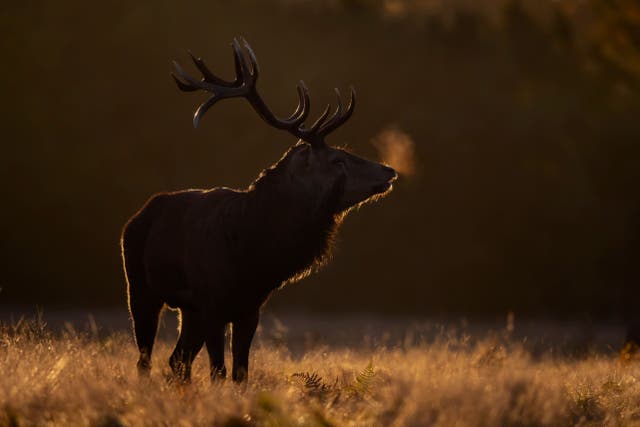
(216,255)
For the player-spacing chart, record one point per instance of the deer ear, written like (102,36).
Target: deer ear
(299,162)
(305,157)
(311,156)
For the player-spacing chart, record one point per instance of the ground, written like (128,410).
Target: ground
(323,375)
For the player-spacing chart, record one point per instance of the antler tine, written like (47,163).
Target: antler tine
(183,86)
(316,125)
(245,72)
(255,68)
(237,66)
(207,74)
(220,91)
(339,116)
(190,85)
(307,103)
(203,108)
(338,111)
(302,110)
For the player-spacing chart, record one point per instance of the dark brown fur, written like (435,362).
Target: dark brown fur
(218,254)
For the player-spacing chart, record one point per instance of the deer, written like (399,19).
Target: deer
(216,255)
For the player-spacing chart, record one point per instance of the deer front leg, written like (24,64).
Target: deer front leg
(242,335)
(189,344)
(215,348)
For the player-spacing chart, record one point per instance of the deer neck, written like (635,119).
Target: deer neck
(288,231)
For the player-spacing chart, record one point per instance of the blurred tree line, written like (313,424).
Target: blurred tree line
(525,117)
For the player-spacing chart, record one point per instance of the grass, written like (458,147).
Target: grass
(82,378)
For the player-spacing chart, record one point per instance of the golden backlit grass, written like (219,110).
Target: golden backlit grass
(80,379)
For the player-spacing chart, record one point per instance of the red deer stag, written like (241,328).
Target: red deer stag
(217,254)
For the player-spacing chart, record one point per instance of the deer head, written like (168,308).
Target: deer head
(311,164)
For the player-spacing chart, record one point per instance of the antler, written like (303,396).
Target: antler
(244,86)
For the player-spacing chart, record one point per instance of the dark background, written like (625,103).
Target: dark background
(525,117)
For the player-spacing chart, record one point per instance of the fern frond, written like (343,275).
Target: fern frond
(311,380)
(364,380)
(314,384)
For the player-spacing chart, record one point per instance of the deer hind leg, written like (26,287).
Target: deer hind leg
(215,347)
(144,305)
(145,311)
(189,343)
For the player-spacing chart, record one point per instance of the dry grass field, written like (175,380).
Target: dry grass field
(88,378)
